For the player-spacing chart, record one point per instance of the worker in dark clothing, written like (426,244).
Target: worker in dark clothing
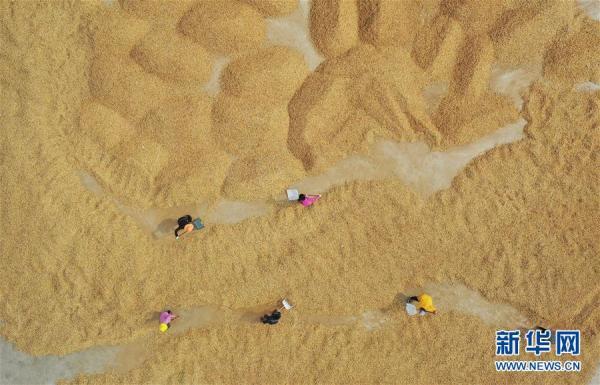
(271,319)
(184,223)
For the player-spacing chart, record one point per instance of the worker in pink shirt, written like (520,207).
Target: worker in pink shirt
(165,320)
(308,200)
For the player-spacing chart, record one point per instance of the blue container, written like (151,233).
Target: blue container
(198,224)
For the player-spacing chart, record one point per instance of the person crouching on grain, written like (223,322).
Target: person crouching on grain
(184,224)
(165,320)
(271,319)
(423,303)
(308,200)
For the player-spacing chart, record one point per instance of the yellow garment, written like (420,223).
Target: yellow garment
(163,327)
(426,303)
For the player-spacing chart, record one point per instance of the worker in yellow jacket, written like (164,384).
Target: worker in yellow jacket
(423,303)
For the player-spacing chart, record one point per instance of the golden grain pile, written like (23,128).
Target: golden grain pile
(118,92)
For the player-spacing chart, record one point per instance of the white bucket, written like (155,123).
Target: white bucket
(411,309)
(293,195)
(286,304)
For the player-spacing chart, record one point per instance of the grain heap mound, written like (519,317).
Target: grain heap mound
(251,120)
(453,46)
(146,77)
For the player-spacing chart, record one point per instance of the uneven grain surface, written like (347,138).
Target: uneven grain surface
(116,92)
